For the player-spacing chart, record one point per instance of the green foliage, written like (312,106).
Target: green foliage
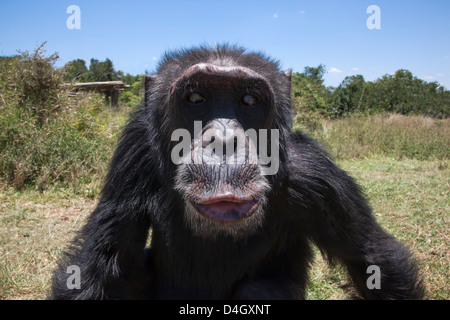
(30,82)
(406,94)
(399,93)
(310,97)
(76,70)
(315,74)
(46,138)
(348,97)
(101,70)
(132,96)
(8,72)
(69,150)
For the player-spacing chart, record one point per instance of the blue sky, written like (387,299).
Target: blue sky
(134,34)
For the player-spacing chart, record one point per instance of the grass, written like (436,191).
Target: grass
(404,170)
(34,229)
(410,199)
(391,135)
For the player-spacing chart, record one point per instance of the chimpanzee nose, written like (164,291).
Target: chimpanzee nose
(222,135)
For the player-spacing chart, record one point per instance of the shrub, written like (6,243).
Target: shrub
(48,138)
(38,85)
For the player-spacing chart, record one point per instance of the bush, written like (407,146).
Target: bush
(132,96)
(38,86)
(71,150)
(46,137)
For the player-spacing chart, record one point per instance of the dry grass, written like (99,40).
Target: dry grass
(395,136)
(410,200)
(34,229)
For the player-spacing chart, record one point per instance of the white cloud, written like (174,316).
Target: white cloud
(154,58)
(334,70)
(428,77)
(275,15)
(302,12)
(355,69)
(440,75)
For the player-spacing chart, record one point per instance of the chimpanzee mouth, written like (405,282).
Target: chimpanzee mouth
(227,210)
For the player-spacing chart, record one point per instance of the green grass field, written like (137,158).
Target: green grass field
(401,162)
(410,199)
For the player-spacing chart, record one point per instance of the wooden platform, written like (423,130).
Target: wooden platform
(110,88)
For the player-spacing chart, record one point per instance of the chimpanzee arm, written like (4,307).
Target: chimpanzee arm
(109,251)
(340,222)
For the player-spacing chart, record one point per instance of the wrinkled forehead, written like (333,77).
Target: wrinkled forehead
(224,71)
(211,74)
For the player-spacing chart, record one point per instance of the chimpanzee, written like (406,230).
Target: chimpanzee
(237,223)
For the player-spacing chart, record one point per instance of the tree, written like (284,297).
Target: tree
(404,93)
(315,74)
(76,70)
(101,70)
(309,92)
(348,97)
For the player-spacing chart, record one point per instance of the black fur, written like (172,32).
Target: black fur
(310,201)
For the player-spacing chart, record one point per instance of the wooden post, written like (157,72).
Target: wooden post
(115,98)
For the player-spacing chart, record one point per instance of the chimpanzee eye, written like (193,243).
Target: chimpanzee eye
(196,98)
(249,100)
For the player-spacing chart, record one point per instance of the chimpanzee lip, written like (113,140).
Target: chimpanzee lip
(227,209)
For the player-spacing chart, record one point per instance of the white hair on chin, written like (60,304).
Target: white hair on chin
(205,228)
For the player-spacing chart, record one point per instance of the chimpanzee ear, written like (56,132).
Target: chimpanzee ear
(147,83)
(288,74)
